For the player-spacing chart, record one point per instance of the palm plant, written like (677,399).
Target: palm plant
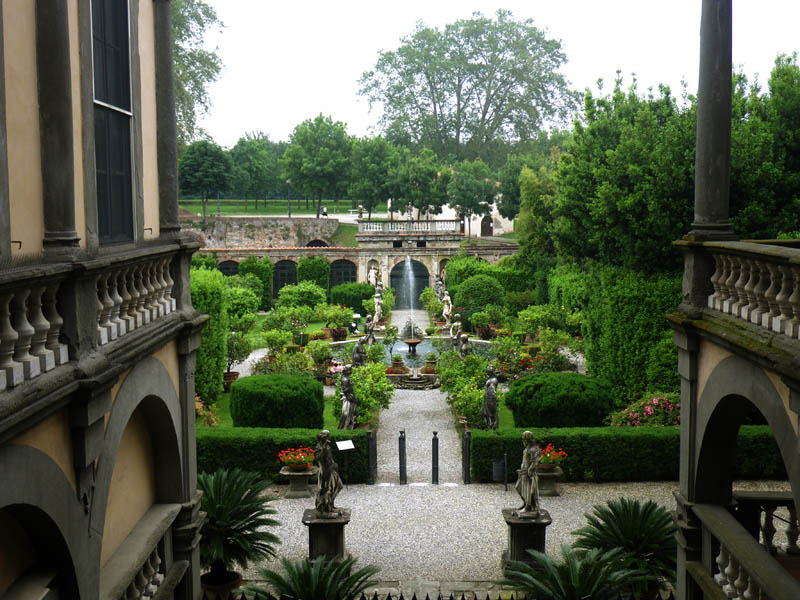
(595,574)
(236,520)
(320,579)
(645,532)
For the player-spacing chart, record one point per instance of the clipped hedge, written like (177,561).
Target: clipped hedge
(474,294)
(277,401)
(261,268)
(258,447)
(462,267)
(208,296)
(351,295)
(559,400)
(621,453)
(314,269)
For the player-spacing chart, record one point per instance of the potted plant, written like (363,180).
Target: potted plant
(297,459)
(236,527)
(239,348)
(319,578)
(336,319)
(430,363)
(429,331)
(551,457)
(321,354)
(398,367)
(480,321)
(390,338)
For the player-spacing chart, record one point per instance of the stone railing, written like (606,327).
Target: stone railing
(30,326)
(132,295)
(757,283)
(759,511)
(742,568)
(442,226)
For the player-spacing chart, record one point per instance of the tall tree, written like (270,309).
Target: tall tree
(471,189)
(317,160)
(417,182)
(195,67)
(372,162)
(204,169)
(477,82)
(255,166)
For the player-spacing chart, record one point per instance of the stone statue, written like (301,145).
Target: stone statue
(349,401)
(527,485)
(378,300)
(438,287)
(372,276)
(359,354)
(489,409)
(369,331)
(455,332)
(329,484)
(465,347)
(447,308)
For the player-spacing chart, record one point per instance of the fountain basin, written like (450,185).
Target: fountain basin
(412,345)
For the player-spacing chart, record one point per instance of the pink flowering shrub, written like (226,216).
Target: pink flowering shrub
(655,410)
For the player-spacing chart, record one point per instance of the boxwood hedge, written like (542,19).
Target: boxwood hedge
(257,448)
(277,401)
(621,453)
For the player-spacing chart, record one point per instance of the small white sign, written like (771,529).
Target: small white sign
(345,445)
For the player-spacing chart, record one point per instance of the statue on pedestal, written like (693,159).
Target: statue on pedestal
(527,485)
(329,484)
(359,354)
(438,287)
(455,332)
(489,409)
(465,347)
(372,276)
(447,308)
(378,301)
(369,331)
(349,401)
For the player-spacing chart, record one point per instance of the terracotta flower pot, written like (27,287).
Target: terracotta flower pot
(220,588)
(547,467)
(228,378)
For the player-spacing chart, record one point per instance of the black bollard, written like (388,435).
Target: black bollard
(435,459)
(402,452)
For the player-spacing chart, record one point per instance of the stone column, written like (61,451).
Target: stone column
(713,158)
(169,224)
(55,121)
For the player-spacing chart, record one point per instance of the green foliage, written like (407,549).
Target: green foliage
(539,316)
(372,163)
(471,88)
(644,532)
(320,352)
(390,338)
(462,267)
(262,269)
(204,169)
(275,340)
(471,190)
(463,380)
(291,317)
(286,363)
(276,401)
(238,349)
(333,315)
(622,322)
(304,293)
(654,409)
(207,289)
(372,388)
(255,166)
(475,293)
(351,295)
(623,453)
(480,319)
(320,579)
(204,261)
(418,181)
(388,304)
(662,365)
(314,269)
(376,353)
(430,302)
(559,400)
(537,205)
(237,518)
(597,574)
(247,281)
(258,447)
(518,301)
(240,301)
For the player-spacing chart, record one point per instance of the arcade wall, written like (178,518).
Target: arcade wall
(261,232)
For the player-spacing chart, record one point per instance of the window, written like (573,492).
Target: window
(112,120)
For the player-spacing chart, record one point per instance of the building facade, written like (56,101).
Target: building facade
(97,331)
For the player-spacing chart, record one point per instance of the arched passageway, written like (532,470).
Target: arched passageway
(487,227)
(408,278)
(229,267)
(285,274)
(317,244)
(342,271)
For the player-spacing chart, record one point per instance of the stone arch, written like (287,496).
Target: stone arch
(343,271)
(442,265)
(147,387)
(487,226)
(398,281)
(317,244)
(734,386)
(229,267)
(284,273)
(47,509)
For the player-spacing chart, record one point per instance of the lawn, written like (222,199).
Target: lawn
(345,236)
(255,334)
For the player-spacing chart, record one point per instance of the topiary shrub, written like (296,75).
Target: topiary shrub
(314,269)
(475,293)
(276,401)
(305,293)
(240,301)
(208,289)
(262,269)
(204,261)
(559,400)
(351,295)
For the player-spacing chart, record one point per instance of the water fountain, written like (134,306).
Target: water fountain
(411,334)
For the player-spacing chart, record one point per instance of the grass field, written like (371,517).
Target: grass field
(345,236)
(231,206)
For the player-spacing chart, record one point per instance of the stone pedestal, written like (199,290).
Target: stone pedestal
(298,482)
(525,534)
(326,536)
(547,482)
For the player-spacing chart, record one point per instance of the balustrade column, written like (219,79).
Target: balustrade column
(771,295)
(780,322)
(52,315)
(750,289)
(760,293)
(41,327)
(19,321)
(793,327)
(731,304)
(741,282)
(11,369)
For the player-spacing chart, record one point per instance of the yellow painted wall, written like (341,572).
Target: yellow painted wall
(784,392)
(22,126)
(77,121)
(133,489)
(16,551)
(709,357)
(52,436)
(149,149)
(168,355)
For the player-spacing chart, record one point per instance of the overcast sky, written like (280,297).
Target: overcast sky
(284,62)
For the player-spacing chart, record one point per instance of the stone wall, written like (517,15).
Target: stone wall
(262,232)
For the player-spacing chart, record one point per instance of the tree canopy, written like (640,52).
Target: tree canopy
(204,169)
(471,189)
(255,166)
(418,181)
(477,82)
(372,162)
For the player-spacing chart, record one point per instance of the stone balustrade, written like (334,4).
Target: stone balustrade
(132,295)
(757,283)
(452,226)
(30,325)
(148,579)
(742,567)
